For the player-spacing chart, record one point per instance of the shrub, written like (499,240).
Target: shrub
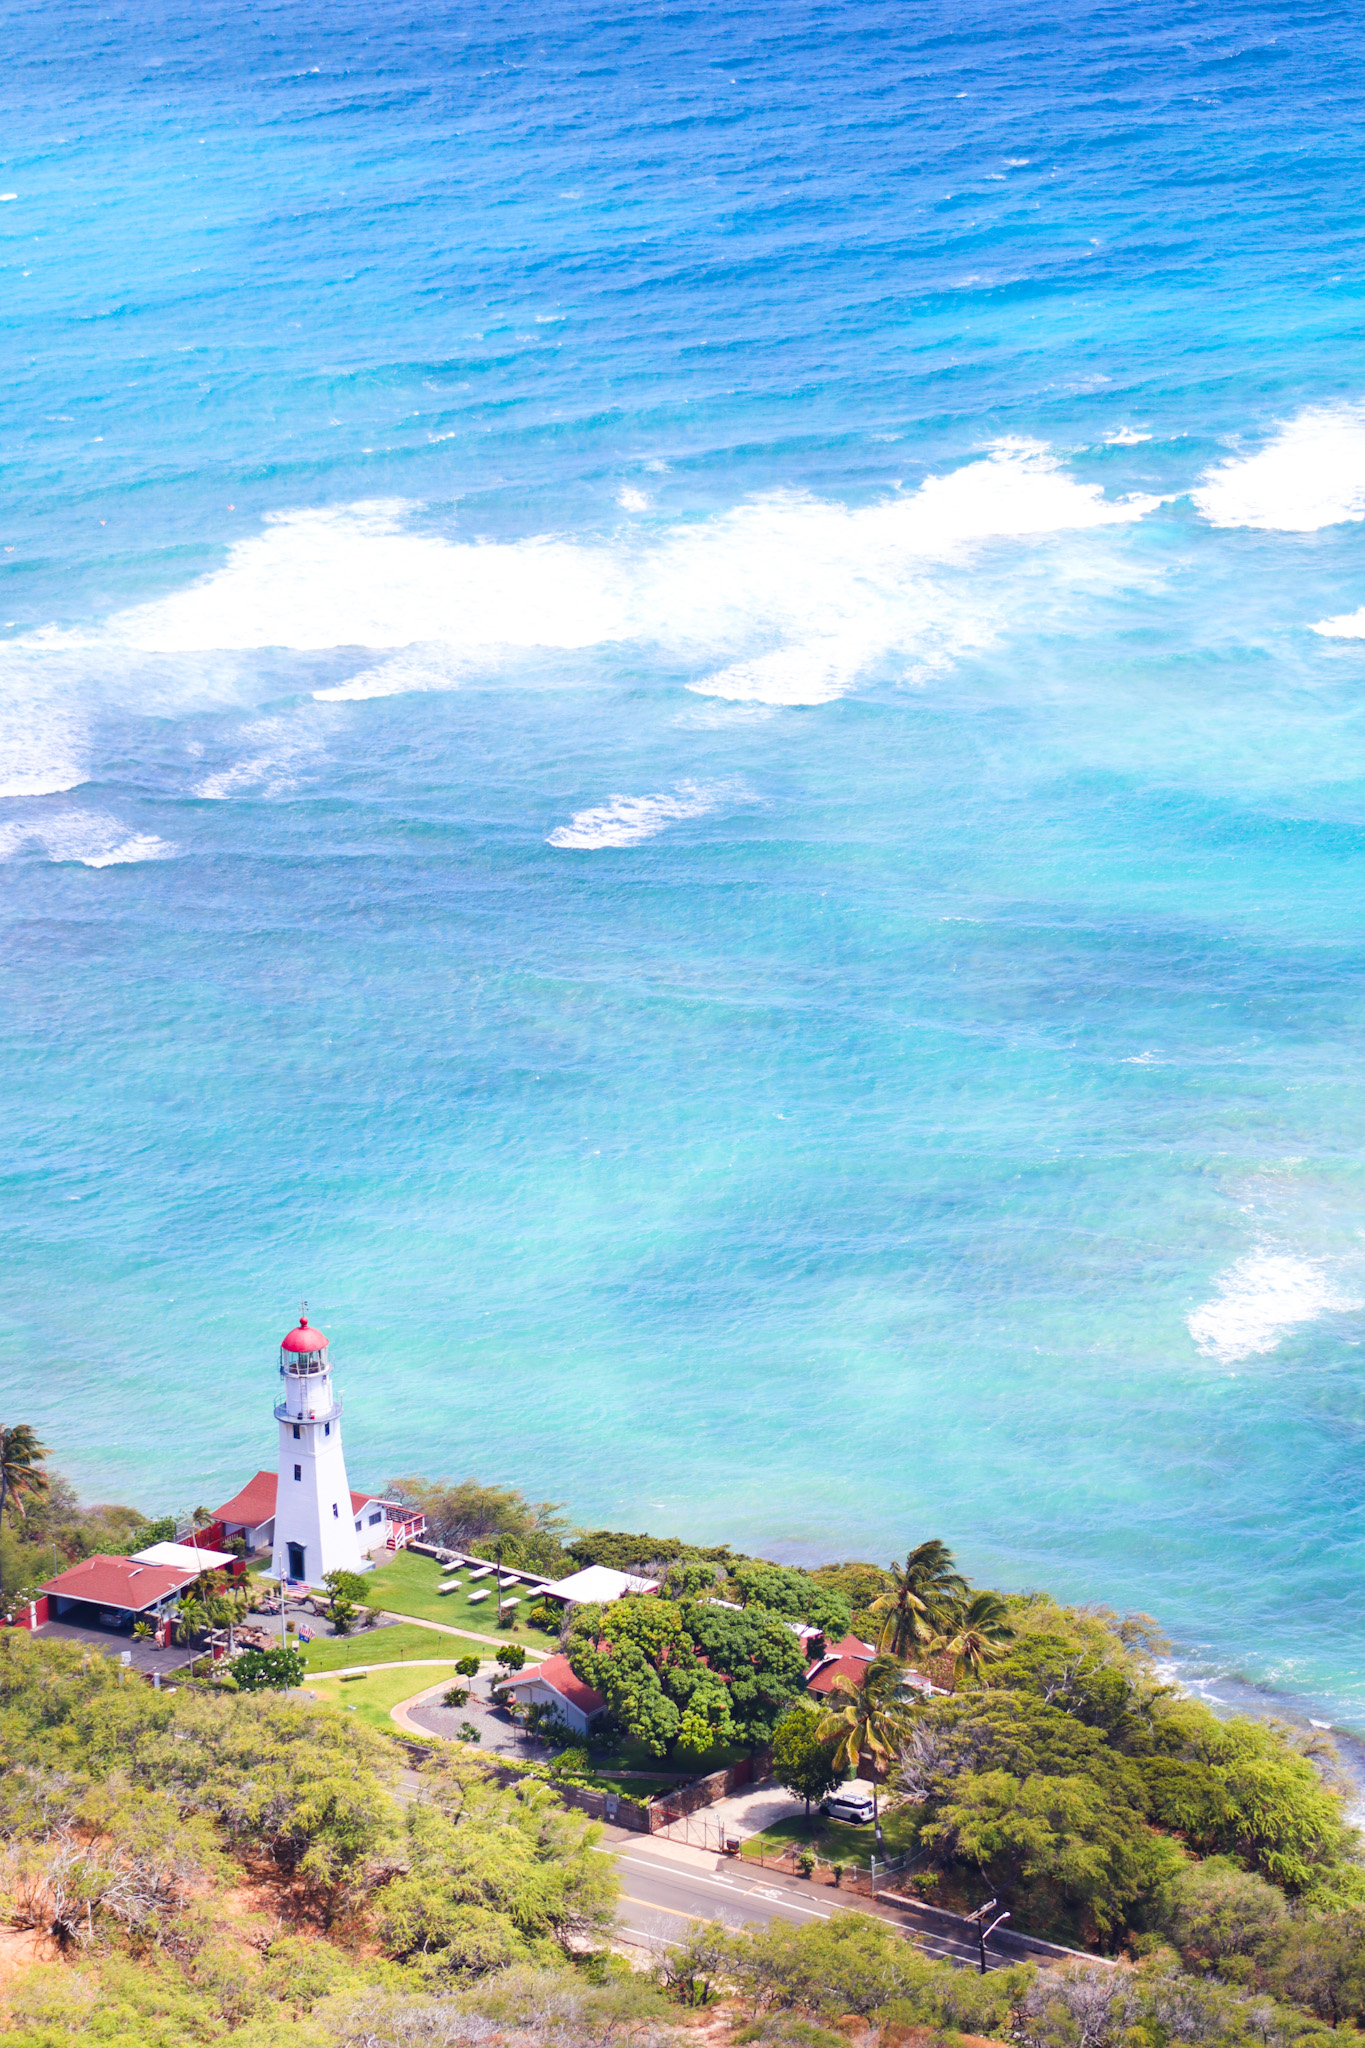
(268,1670)
(455,1696)
(467,1732)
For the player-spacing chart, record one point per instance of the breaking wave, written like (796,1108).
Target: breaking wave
(1260,1298)
(1311,475)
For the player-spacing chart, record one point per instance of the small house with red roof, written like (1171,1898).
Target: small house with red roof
(848,1659)
(115,1592)
(554,1683)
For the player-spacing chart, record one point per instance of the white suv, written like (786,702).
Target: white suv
(850,1802)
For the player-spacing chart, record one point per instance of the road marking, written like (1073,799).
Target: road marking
(650,1907)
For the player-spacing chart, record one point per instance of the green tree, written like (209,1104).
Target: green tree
(468,1667)
(345,1590)
(926,1592)
(22,1477)
(979,1631)
(1321,1964)
(274,1670)
(803,1758)
(512,1656)
(784,1590)
(759,1657)
(867,1718)
(639,1655)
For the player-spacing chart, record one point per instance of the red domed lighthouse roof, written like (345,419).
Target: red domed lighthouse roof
(305,1338)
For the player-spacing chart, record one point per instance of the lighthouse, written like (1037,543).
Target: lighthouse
(314,1529)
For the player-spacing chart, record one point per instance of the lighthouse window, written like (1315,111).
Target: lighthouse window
(296,1431)
(336,1516)
(298,1471)
(327,1429)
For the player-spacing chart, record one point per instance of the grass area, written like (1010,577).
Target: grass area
(640,1789)
(393,1645)
(836,1841)
(371,1697)
(633,1756)
(407,1585)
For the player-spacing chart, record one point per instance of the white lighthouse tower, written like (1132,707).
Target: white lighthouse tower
(314,1523)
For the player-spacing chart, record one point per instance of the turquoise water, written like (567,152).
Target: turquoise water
(666,739)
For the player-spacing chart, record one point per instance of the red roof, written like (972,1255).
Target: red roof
(305,1338)
(851,1657)
(254,1504)
(558,1673)
(119,1582)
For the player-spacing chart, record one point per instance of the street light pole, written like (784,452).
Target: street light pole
(983,1930)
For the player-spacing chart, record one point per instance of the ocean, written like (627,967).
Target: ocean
(682,729)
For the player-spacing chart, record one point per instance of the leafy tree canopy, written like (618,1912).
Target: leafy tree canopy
(784,1590)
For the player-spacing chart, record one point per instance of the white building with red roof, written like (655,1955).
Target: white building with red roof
(115,1592)
(554,1683)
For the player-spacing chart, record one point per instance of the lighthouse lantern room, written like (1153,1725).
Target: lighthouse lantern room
(314,1528)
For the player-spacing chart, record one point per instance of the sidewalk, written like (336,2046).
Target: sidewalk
(444,1628)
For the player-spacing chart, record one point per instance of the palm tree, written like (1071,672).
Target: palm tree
(867,1719)
(977,1633)
(21,1457)
(925,1593)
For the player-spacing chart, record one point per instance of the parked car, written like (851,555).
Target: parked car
(849,1802)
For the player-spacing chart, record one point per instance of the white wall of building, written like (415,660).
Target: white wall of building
(313,1501)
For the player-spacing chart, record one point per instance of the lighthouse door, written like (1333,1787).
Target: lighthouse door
(296,1570)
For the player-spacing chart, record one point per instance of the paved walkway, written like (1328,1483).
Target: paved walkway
(755,1808)
(445,1628)
(424,1716)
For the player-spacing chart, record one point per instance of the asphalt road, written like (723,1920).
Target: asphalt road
(659,1896)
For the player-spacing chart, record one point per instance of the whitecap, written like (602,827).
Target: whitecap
(91,838)
(1310,476)
(1126,437)
(410,671)
(1346,626)
(42,749)
(628,820)
(277,750)
(786,598)
(1261,1297)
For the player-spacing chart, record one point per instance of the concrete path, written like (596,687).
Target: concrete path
(395,1664)
(757,1807)
(445,1628)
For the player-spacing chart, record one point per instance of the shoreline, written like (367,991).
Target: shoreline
(1228,1693)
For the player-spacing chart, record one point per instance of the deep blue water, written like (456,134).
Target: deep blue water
(663,740)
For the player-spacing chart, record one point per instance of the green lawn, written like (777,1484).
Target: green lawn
(640,1789)
(403,1640)
(371,1697)
(407,1585)
(836,1841)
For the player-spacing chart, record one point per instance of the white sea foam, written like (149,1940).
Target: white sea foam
(92,838)
(1346,626)
(413,670)
(42,748)
(1126,437)
(1311,475)
(627,820)
(1258,1299)
(277,748)
(784,599)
